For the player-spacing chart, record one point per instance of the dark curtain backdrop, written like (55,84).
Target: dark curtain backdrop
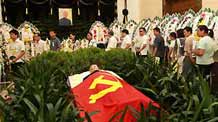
(39,13)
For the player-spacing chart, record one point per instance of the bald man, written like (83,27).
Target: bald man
(64,21)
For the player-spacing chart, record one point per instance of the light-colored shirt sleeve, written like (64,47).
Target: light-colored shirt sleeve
(128,40)
(172,44)
(201,44)
(22,46)
(112,43)
(146,40)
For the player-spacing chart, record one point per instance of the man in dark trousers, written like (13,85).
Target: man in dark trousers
(159,47)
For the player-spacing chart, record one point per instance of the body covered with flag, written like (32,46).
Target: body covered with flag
(107,93)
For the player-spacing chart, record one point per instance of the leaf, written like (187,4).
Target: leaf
(88,118)
(115,115)
(58,104)
(146,90)
(123,114)
(31,106)
(213,120)
(51,112)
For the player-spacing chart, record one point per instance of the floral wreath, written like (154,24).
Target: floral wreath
(94,31)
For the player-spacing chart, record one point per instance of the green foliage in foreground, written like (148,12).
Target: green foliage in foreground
(42,95)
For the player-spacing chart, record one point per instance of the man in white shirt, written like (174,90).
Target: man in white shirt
(141,45)
(112,43)
(126,40)
(92,42)
(15,50)
(189,60)
(38,46)
(204,51)
(171,56)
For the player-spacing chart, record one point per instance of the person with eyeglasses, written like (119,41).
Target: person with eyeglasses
(140,43)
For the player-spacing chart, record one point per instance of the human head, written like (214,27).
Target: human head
(36,37)
(180,33)
(110,33)
(187,31)
(172,36)
(14,34)
(156,31)
(142,31)
(89,36)
(52,34)
(93,68)
(202,30)
(124,32)
(72,36)
(65,14)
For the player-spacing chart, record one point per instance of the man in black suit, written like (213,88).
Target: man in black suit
(64,21)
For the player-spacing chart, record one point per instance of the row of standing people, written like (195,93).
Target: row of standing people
(179,45)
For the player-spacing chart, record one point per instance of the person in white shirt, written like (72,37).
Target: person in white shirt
(38,45)
(141,43)
(92,42)
(74,44)
(126,40)
(204,51)
(172,47)
(112,43)
(15,50)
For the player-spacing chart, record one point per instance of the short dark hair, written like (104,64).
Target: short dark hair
(37,34)
(142,28)
(125,31)
(203,28)
(89,33)
(188,29)
(14,32)
(52,30)
(111,33)
(211,33)
(157,29)
(173,34)
(180,33)
(72,34)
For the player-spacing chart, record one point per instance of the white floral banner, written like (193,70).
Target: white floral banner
(1,21)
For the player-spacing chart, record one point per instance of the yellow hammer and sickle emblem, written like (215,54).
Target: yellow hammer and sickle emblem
(115,85)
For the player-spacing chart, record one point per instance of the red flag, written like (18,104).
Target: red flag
(107,93)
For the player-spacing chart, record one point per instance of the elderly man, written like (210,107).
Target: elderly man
(65,21)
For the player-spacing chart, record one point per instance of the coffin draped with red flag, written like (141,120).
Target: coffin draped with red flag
(108,94)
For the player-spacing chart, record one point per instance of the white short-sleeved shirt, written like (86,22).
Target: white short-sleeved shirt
(84,43)
(14,48)
(38,48)
(140,41)
(93,43)
(126,41)
(208,45)
(172,43)
(112,43)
